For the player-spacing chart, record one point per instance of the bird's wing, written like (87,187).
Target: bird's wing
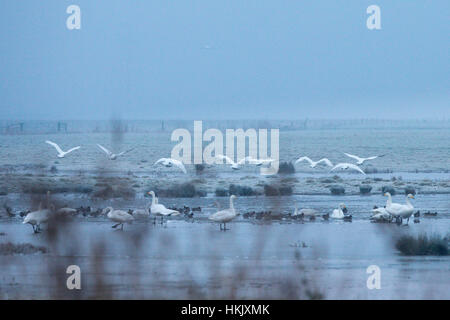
(338,166)
(123,152)
(227,159)
(353,156)
(55,146)
(104,149)
(179,164)
(123,215)
(326,161)
(370,158)
(355,167)
(160,160)
(304,159)
(73,149)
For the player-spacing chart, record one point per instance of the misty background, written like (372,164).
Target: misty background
(224,60)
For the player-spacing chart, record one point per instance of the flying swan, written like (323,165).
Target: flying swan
(313,164)
(112,156)
(169,162)
(345,166)
(360,160)
(61,153)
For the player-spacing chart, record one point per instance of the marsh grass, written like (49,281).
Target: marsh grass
(422,245)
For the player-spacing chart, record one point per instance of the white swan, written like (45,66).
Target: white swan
(259,162)
(169,162)
(228,160)
(118,216)
(380,214)
(61,153)
(159,209)
(35,218)
(345,166)
(403,211)
(339,212)
(112,156)
(360,160)
(67,211)
(224,216)
(313,164)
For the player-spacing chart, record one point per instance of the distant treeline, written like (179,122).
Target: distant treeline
(123,126)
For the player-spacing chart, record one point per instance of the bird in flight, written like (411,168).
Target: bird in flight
(313,164)
(360,160)
(61,153)
(169,162)
(346,166)
(112,156)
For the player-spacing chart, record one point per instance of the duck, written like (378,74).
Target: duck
(400,211)
(119,216)
(224,216)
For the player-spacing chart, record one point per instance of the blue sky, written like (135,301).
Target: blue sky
(229,59)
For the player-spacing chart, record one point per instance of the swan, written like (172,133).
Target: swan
(224,216)
(259,162)
(67,211)
(35,218)
(169,162)
(345,166)
(159,209)
(228,160)
(61,153)
(313,164)
(310,213)
(403,211)
(339,212)
(380,214)
(360,160)
(112,156)
(118,216)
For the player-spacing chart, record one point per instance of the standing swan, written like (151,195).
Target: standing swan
(159,209)
(224,216)
(402,211)
(118,216)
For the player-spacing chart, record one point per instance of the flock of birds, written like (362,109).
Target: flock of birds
(387,213)
(235,165)
(120,217)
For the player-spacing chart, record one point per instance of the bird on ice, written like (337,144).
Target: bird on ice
(112,156)
(346,166)
(61,153)
(313,164)
(169,162)
(360,160)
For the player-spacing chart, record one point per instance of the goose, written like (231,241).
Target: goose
(360,160)
(313,164)
(160,209)
(345,166)
(224,216)
(339,213)
(118,216)
(112,156)
(402,211)
(228,160)
(61,153)
(169,162)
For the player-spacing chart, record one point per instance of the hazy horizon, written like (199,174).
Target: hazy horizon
(224,60)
